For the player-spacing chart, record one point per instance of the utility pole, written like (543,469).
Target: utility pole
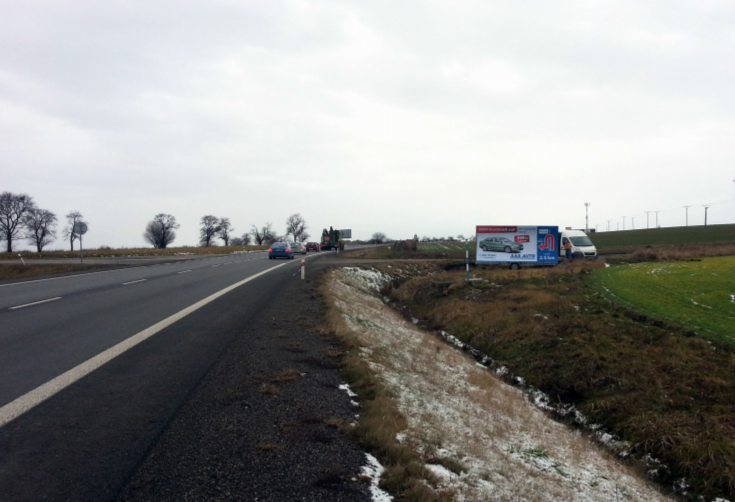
(624,222)
(608,225)
(705,215)
(687,208)
(656,218)
(587,217)
(633,220)
(647,212)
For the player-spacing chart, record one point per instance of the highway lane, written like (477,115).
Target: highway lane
(93,312)
(84,442)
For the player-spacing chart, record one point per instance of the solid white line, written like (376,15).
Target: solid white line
(134,282)
(34,303)
(16,408)
(184,272)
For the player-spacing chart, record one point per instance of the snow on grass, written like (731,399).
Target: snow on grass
(374,470)
(479,436)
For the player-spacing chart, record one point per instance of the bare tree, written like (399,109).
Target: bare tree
(246,239)
(305,236)
(40,227)
(71,219)
(263,235)
(160,231)
(13,209)
(225,230)
(208,231)
(378,238)
(296,226)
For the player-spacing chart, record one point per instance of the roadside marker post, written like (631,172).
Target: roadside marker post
(21,259)
(303,269)
(467,258)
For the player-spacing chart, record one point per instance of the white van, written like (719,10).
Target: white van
(582,246)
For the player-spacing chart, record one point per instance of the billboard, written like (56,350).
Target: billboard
(518,244)
(346,233)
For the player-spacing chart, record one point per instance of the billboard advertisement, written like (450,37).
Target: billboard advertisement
(517,244)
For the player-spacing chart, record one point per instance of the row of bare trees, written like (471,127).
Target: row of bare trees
(160,232)
(21,218)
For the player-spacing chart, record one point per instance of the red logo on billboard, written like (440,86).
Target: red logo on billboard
(522,238)
(549,243)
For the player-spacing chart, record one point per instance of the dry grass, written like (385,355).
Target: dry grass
(269,390)
(10,272)
(680,252)
(288,375)
(449,412)
(666,391)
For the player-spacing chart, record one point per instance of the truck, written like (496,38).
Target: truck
(516,245)
(331,239)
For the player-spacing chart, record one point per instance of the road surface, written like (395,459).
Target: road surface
(94,367)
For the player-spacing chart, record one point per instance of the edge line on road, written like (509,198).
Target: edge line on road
(31,399)
(134,282)
(34,303)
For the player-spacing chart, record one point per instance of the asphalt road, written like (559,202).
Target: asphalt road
(80,404)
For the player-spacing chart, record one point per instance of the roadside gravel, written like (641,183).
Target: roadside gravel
(267,421)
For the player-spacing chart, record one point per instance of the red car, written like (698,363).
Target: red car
(312,246)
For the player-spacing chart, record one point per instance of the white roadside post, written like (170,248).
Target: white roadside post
(21,259)
(467,257)
(303,269)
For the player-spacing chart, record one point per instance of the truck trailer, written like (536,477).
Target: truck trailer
(516,245)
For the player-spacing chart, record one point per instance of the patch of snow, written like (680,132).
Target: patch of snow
(440,472)
(374,470)
(732,298)
(607,265)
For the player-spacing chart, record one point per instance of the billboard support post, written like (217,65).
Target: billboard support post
(467,258)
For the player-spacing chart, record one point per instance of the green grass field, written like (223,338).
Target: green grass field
(665,236)
(698,295)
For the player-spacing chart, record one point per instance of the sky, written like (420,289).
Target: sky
(403,117)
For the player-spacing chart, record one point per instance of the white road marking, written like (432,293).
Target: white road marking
(214,266)
(184,272)
(34,303)
(134,282)
(27,401)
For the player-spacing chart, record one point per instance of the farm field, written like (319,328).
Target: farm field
(665,236)
(444,247)
(697,295)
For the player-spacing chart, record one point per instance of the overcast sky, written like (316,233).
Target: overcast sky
(406,117)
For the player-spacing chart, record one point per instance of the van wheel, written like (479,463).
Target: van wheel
(514,266)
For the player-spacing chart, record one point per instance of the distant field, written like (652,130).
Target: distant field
(665,236)
(444,247)
(699,295)
(123,252)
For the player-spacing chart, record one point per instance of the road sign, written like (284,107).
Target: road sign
(346,234)
(80,228)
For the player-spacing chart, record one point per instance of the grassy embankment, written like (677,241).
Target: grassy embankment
(658,386)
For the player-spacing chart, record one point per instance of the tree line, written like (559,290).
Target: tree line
(22,219)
